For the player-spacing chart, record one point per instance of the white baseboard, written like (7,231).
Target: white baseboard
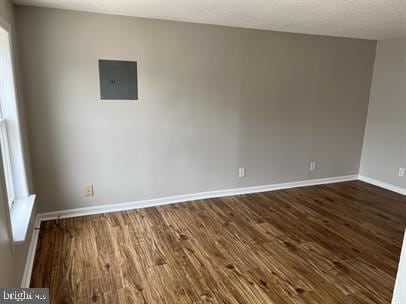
(188,197)
(25,283)
(158,202)
(177,199)
(382,184)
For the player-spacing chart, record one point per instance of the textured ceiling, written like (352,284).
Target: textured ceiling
(369,19)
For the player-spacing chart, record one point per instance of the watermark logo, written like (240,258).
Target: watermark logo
(24,295)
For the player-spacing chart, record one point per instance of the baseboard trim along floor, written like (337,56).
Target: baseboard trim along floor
(177,199)
(381,184)
(189,197)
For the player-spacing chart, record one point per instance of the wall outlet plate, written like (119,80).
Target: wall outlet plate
(241,172)
(89,190)
(313,166)
(401,172)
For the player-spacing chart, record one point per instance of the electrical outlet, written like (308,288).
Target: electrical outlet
(313,166)
(241,172)
(401,172)
(89,190)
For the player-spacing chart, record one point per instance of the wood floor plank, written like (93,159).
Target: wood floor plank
(337,243)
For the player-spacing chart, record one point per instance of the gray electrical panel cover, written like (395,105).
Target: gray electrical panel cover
(118,80)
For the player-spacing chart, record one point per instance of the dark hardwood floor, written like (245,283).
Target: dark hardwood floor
(337,243)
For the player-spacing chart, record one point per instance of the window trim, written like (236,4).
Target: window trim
(5,156)
(20,202)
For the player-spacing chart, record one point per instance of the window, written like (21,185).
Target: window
(5,156)
(19,201)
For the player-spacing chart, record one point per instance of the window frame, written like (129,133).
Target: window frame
(5,156)
(13,177)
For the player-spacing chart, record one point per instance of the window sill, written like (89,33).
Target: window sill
(20,214)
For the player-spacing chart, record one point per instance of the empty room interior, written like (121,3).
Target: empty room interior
(202,151)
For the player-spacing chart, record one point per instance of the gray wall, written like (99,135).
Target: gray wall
(384,150)
(211,99)
(12,261)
